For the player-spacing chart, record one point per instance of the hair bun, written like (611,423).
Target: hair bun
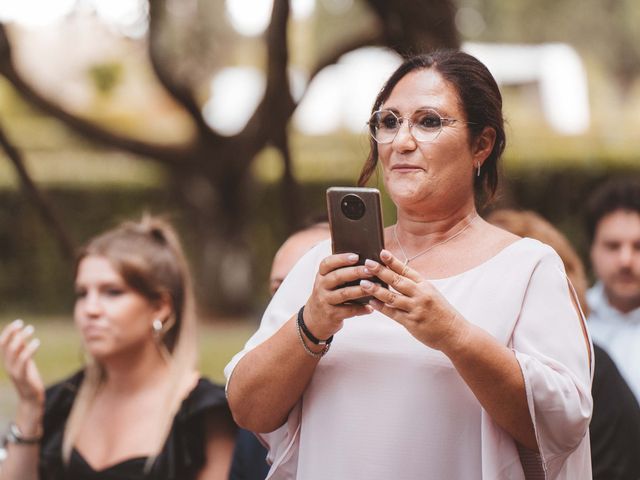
(153,227)
(157,234)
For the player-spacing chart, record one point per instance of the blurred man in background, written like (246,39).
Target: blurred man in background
(293,249)
(613,224)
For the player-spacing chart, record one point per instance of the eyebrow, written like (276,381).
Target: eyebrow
(106,284)
(395,110)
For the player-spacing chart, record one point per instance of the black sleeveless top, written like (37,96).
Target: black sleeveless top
(182,456)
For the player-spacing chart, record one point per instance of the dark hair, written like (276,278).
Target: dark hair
(613,195)
(480,100)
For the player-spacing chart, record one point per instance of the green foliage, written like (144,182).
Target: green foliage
(106,76)
(559,193)
(605,30)
(36,280)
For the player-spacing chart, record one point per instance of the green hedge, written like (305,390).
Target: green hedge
(35,279)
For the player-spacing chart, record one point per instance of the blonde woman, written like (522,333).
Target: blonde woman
(139,409)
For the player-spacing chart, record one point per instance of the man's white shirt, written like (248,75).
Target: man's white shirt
(618,333)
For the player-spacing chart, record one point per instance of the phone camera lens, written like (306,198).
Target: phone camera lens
(352,206)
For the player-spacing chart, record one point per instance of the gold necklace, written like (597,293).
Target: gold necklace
(408,259)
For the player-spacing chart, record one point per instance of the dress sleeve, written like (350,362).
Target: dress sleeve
(184,454)
(549,343)
(292,294)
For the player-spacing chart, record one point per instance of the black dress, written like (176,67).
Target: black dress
(182,456)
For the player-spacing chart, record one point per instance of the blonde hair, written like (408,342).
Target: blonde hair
(149,257)
(527,223)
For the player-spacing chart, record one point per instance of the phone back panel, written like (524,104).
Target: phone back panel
(363,236)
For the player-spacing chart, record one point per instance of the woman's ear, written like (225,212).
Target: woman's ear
(164,307)
(483,145)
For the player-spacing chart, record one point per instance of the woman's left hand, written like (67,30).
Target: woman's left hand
(414,303)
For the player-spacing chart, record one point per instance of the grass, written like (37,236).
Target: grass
(60,354)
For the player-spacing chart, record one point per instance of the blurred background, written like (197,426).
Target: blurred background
(233,117)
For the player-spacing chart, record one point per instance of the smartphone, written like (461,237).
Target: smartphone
(355,219)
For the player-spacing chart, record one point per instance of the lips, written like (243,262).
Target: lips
(626,280)
(94,329)
(406,167)
(92,332)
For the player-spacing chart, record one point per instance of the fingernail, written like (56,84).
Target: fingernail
(35,343)
(17,323)
(366,271)
(366,284)
(352,257)
(385,255)
(28,330)
(370,263)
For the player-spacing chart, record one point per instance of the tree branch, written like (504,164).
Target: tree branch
(172,156)
(278,52)
(288,185)
(43,206)
(272,115)
(415,26)
(180,93)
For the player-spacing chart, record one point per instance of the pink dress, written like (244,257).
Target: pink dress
(381,405)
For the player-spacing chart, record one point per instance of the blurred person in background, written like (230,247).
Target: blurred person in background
(249,457)
(138,409)
(473,364)
(613,227)
(615,424)
(293,249)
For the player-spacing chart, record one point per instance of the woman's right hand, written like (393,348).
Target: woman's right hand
(17,350)
(325,310)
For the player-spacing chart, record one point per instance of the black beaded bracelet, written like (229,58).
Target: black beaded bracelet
(307,333)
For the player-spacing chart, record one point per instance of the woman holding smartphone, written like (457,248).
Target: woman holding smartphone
(472,364)
(138,409)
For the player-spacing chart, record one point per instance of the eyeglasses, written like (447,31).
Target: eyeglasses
(425,125)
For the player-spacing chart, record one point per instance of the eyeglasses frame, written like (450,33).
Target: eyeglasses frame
(444,122)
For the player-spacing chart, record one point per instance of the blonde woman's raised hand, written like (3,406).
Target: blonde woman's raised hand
(18,347)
